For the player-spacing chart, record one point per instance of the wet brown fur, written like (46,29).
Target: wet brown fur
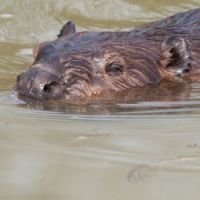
(81,65)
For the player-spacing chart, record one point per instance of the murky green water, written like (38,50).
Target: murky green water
(144,149)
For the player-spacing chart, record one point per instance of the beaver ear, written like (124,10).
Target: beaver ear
(175,55)
(67,30)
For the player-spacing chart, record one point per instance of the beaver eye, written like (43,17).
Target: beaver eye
(114,69)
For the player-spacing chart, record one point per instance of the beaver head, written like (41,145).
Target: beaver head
(82,65)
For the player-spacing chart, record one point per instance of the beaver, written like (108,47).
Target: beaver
(85,65)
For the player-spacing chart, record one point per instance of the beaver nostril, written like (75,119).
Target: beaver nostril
(50,87)
(54,89)
(47,88)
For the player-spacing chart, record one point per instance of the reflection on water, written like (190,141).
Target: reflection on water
(145,145)
(166,98)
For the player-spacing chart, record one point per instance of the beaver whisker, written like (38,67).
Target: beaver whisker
(80,69)
(74,76)
(80,64)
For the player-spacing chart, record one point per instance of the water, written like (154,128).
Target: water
(148,148)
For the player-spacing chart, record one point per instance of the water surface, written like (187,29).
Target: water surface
(147,148)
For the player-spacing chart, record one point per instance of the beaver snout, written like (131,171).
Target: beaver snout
(40,84)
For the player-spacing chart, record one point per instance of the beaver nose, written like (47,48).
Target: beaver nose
(39,84)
